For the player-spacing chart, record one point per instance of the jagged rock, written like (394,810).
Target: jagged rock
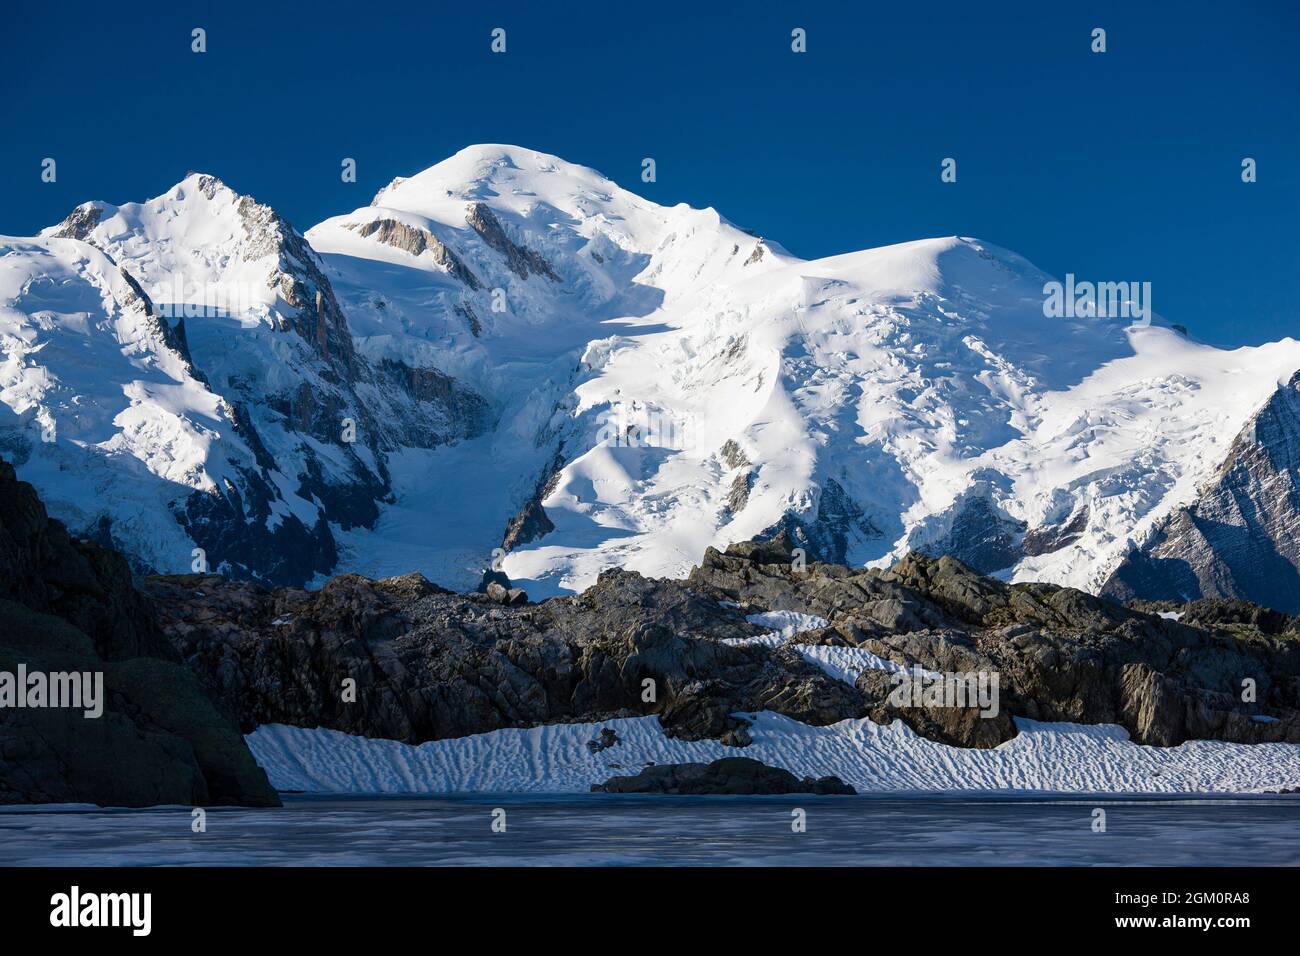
(1049,538)
(528,525)
(430,664)
(531,522)
(980,536)
(416,241)
(837,525)
(738,494)
(732,455)
(69,606)
(730,775)
(80,222)
(520,259)
(1241,538)
(1060,654)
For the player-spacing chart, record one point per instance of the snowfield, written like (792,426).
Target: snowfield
(654,378)
(1064,758)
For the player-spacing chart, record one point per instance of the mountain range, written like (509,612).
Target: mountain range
(508,363)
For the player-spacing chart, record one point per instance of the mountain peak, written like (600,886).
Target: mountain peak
(496,171)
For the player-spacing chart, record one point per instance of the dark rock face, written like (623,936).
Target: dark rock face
(429,664)
(531,521)
(829,535)
(730,775)
(1049,538)
(981,536)
(528,525)
(69,606)
(1241,538)
(1060,654)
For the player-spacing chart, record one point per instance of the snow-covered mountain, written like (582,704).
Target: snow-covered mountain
(201,388)
(538,361)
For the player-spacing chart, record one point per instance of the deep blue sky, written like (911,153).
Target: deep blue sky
(1118,166)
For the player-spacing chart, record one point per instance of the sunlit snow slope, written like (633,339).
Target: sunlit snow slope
(910,396)
(543,363)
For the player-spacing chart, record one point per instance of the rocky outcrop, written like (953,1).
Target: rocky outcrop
(980,536)
(1241,538)
(429,664)
(68,607)
(1059,654)
(417,241)
(730,775)
(521,260)
(531,521)
(423,663)
(837,524)
(80,222)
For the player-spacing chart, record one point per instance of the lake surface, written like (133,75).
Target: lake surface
(607,829)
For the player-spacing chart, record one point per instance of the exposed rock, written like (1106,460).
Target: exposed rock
(732,455)
(417,241)
(730,775)
(80,222)
(520,259)
(738,494)
(1049,538)
(980,536)
(429,664)
(1241,538)
(69,606)
(1060,654)
(837,525)
(531,522)
(511,597)
(528,525)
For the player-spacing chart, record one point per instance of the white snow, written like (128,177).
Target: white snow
(916,376)
(913,375)
(842,663)
(871,757)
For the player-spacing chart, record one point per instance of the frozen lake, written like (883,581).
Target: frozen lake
(602,829)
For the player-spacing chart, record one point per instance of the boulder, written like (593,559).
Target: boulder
(730,775)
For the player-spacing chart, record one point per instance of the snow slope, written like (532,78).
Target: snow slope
(913,396)
(95,405)
(541,362)
(1064,758)
(279,432)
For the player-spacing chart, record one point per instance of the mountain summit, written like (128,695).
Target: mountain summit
(508,361)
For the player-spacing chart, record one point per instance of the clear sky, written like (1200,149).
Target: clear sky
(1117,166)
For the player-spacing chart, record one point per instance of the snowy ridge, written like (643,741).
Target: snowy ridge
(1063,758)
(538,360)
(97,404)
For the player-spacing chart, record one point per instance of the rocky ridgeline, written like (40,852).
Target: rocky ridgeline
(430,664)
